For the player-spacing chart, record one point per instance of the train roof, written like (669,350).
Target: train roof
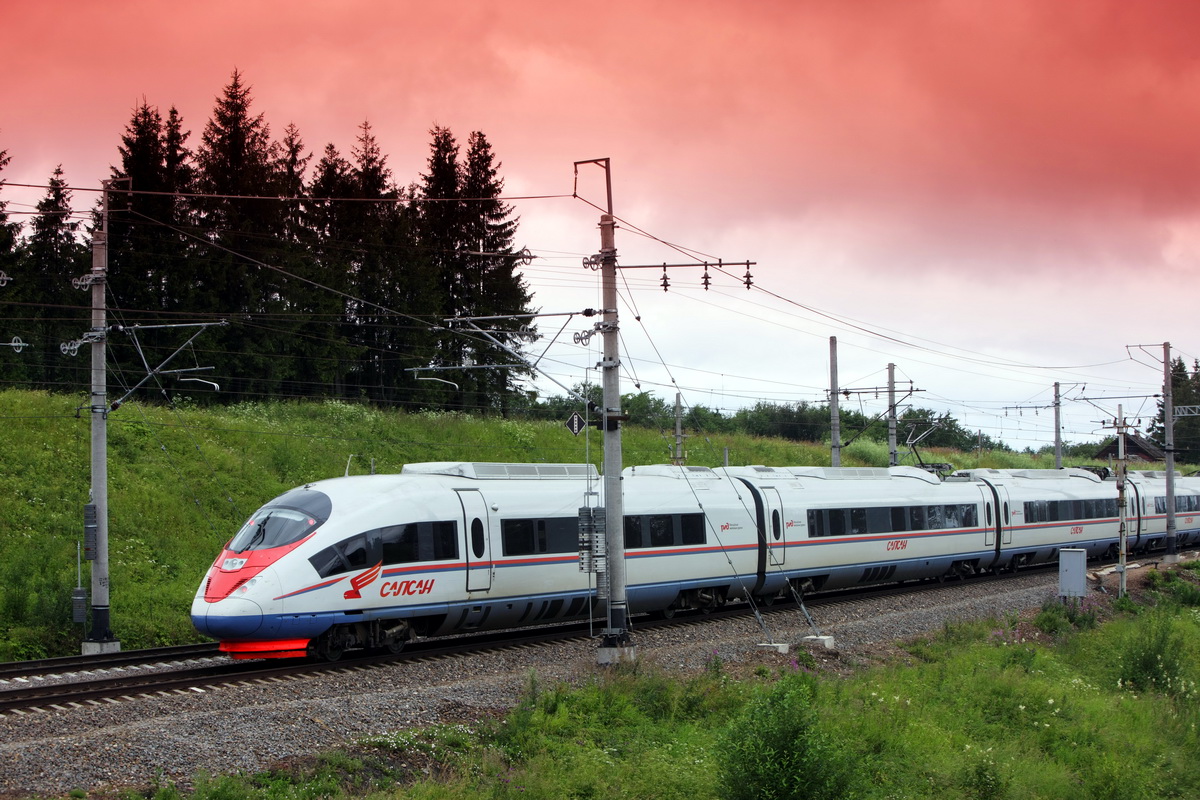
(1031,474)
(833,473)
(480,470)
(677,471)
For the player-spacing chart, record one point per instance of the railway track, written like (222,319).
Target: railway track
(73,682)
(130,659)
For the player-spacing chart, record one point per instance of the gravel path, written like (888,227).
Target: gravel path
(136,742)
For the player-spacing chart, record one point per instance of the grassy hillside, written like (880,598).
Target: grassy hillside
(182,481)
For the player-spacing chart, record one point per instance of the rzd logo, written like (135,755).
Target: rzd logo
(361,580)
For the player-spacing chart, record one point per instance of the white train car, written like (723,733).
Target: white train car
(834,528)
(449,547)
(1148,507)
(456,547)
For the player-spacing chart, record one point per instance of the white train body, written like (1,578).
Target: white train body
(443,548)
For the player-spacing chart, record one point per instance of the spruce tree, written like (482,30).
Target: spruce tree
(439,220)
(238,177)
(328,221)
(14,314)
(1185,391)
(468,232)
(47,261)
(494,270)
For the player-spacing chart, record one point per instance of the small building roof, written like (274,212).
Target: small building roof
(1137,448)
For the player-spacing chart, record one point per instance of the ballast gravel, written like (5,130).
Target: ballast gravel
(249,726)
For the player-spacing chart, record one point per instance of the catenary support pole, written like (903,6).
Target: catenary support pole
(615,644)
(100,639)
(1057,427)
(1169,446)
(835,423)
(893,456)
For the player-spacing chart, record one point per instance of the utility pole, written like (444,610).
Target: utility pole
(893,456)
(835,422)
(677,458)
(615,645)
(1122,467)
(100,639)
(1057,428)
(1172,555)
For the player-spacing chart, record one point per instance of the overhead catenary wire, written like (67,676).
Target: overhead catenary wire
(960,355)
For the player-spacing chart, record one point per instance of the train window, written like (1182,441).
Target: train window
(916,518)
(477,541)
(987,508)
(879,520)
(816,523)
(858,520)
(354,550)
(952,516)
(837,521)
(286,519)
(357,552)
(328,562)
(562,534)
(692,528)
(934,517)
(633,531)
(662,532)
(776,529)
(439,540)
(1006,516)
(516,537)
(400,544)
(970,516)
(899,520)
(522,537)
(394,544)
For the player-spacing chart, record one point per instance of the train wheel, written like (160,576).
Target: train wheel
(396,646)
(329,647)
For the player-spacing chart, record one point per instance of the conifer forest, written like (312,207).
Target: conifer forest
(326,277)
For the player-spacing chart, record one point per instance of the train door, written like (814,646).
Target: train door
(478,536)
(1133,515)
(774,529)
(1005,516)
(997,516)
(989,515)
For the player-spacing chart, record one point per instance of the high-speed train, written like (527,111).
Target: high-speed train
(372,561)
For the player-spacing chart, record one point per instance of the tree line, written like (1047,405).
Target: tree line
(333,278)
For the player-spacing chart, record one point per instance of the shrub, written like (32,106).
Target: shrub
(1153,656)
(776,748)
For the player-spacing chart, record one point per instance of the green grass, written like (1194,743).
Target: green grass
(988,709)
(182,480)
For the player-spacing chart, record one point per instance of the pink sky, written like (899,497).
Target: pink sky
(1018,178)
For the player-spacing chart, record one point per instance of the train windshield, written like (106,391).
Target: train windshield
(283,521)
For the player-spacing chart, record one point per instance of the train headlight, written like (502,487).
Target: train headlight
(247,586)
(233,564)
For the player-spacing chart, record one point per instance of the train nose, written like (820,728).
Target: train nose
(238,614)
(232,618)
